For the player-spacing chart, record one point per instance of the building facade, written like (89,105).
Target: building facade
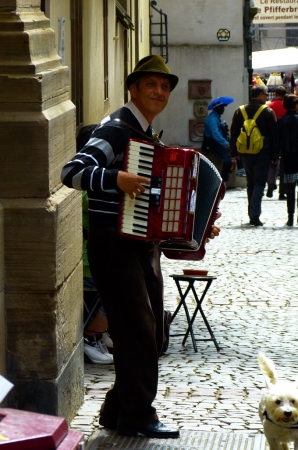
(207,50)
(62,66)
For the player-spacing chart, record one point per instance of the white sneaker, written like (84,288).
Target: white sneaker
(107,340)
(96,351)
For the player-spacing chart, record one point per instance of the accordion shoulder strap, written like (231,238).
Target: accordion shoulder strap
(154,138)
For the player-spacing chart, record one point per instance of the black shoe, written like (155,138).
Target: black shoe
(154,430)
(256,222)
(270,191)
(290,221)
(108,423)
(282,197)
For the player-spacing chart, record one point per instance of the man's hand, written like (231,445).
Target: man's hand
(131,184)
(214,232)
(215,229)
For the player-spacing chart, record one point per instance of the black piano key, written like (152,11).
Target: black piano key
(143,166)
(143,219)
(142,174)
(142,210)
(145,200)
(149,155)
(142,213)
(144,161)
(135,230)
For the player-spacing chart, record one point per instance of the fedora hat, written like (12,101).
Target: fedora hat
(151,64)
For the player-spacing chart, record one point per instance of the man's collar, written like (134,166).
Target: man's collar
(256,100)
(138,115)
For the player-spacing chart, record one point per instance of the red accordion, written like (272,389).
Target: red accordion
(179,207)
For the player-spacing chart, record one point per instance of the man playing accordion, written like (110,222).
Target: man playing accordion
(126,271)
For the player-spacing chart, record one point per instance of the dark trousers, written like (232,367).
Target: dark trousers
(272,175)
(211,145)
(291,193)
(227,161)
(129,281)
(256,168)
(282,184)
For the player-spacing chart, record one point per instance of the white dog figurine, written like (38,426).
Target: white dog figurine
(278,408)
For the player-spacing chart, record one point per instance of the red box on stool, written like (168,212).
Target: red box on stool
(24,430)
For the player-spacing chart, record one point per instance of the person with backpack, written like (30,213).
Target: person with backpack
(287,144)
(252,135)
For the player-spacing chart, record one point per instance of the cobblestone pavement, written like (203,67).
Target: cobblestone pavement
(251,306)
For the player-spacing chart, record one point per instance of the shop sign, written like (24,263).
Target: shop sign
(199,89)
(276,11)
(223,34)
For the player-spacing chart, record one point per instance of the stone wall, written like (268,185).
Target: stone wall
(41,219)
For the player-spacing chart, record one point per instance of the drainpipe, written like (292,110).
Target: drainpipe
(249,13)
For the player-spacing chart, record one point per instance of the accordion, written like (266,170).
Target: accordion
(179,207)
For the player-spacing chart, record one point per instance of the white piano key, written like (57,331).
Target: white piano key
(130,222)
(139,153)
(133,233)
(144,201)
(134,225)
(133,168)
(145,158)
(140,145)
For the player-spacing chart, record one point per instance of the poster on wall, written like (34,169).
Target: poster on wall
(276,11)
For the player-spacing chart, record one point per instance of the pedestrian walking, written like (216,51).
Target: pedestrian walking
(256,165)
(287,144)
(277,105)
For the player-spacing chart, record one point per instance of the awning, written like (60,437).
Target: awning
(279,60)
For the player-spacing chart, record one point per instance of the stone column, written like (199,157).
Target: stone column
(41,218)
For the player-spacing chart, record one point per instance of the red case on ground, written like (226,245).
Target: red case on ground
(71,441)
(24,430)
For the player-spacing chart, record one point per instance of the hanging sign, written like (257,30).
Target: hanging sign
(276,11)
(223,34)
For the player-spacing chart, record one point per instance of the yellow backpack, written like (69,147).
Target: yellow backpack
(250,139)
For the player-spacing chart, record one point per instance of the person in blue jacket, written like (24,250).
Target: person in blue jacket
(216,137)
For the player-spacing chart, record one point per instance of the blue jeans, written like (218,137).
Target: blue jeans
(256,168)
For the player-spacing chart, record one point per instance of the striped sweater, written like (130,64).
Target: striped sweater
(95,167)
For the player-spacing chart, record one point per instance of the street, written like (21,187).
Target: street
(251,306)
